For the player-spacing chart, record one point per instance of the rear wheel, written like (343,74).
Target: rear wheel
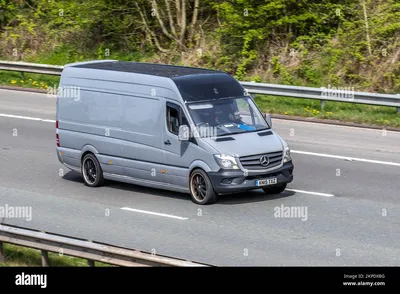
(91,171)
(201,188)
(275,190)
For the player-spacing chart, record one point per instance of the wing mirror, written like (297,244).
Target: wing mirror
(184,133)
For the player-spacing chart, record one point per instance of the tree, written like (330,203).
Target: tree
(167,22)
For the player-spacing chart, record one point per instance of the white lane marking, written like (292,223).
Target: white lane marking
(312,193)
(27,117)
(336,126)
(346,158)
(18,116)
(154,213)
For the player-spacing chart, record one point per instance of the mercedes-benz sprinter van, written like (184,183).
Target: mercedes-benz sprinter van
(183,129)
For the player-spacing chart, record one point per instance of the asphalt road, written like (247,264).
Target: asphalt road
(346,180)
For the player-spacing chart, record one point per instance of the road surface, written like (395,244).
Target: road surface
(346,182)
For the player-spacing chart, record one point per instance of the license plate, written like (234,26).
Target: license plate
(266,182)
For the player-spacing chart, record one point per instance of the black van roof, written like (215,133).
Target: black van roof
(194,84)
(163,70)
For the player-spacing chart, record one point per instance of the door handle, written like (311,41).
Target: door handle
(167,142)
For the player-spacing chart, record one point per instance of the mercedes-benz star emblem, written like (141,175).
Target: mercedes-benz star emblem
(264,160)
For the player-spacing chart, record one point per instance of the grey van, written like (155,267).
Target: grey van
(182,129)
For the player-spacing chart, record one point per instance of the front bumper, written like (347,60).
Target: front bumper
(224,181)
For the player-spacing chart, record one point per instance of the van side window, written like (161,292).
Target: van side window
(172,120)
(175,118)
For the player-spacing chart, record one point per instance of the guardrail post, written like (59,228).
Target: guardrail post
(22,75)
(45,258)
(2,257)
(322,104)
(89,261)
(398,109)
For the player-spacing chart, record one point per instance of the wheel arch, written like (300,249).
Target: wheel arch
(198,164)
(88,149)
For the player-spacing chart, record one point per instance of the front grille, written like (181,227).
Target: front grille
(252,162)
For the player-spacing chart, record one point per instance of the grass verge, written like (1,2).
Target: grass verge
(28,80)
(22,256)
(346,112)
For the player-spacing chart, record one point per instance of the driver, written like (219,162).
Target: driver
(236,118)
(223,114)
(205,116)
(226,115)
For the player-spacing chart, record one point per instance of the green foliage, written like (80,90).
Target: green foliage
(308,42)
(317,42)
(8,10)
(72,29)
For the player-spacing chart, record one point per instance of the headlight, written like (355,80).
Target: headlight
(226,161)
(287,154)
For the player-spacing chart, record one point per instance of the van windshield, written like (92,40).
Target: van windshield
(221,117)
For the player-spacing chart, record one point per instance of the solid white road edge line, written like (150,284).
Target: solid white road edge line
(154,213)
(312,193)
(27,117)
(346,158)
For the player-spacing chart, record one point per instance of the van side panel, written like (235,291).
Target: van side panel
(141,145)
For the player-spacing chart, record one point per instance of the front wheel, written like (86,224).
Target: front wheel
(201,189)
(275,190)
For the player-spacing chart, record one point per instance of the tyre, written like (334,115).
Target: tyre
(201,189)
(275,190)
(91,171)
